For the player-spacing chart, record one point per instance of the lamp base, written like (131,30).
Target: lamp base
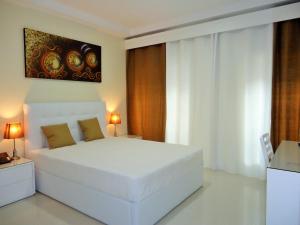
(15,157)
(115,131)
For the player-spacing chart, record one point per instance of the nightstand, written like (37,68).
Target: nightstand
(131,136)
(16,180)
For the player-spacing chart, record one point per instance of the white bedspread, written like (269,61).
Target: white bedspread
(130,169)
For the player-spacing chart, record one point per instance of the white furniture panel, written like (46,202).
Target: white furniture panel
(116,211)
(16,181)
(283,186)
(40,114)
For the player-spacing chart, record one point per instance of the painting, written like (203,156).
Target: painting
(53,57)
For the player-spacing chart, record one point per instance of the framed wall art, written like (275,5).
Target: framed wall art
(50,56)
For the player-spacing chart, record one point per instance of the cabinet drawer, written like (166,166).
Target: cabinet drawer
(16,174)
(14,192)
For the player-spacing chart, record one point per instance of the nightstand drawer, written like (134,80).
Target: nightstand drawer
(16,174)
(16,180)
(16,191)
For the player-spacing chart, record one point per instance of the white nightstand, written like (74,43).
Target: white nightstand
(16,180)
(131,136)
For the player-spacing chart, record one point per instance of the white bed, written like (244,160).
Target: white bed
(118,181)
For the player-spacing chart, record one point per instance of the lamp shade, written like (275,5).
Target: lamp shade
(13,130)
(115,118)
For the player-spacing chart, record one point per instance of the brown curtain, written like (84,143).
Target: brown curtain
(286,82)
(146,92)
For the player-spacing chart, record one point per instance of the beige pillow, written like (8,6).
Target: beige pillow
(58,135)
(91,129)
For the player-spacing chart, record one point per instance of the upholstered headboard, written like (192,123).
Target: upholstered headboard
(39,114)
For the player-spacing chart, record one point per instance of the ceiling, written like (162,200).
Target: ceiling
(135,17)
(137,13)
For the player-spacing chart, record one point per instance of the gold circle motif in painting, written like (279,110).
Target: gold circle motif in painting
(74,61)
(91,59)
(51,64)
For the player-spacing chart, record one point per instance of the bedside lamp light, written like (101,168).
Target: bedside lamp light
(13,131)
(115,119)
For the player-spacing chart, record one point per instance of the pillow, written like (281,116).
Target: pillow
(58,135)
(91,129)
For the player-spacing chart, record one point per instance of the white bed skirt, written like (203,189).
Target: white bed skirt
(115,211)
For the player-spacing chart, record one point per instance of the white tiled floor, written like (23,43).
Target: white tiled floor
(225,199)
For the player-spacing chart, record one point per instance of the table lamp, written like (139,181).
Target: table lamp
(13,131)
(115,119)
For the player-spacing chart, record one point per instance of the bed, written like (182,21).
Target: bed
(119,181)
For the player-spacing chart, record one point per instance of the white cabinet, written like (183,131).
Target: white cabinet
(16,180)
(283,186)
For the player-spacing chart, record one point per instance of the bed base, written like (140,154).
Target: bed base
(115,211)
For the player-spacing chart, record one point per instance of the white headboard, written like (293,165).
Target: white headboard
(39,114)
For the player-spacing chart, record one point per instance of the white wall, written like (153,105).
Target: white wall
(15,88)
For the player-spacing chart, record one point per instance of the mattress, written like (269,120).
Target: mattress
(129,169)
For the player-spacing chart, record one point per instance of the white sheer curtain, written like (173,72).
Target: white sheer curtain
(219,97)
